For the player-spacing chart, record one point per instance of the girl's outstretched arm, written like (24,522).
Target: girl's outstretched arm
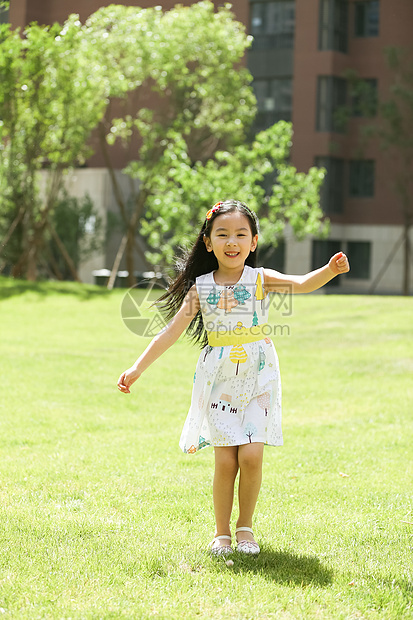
(281,283)
(162,341)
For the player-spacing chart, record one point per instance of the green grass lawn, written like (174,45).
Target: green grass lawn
(102,516)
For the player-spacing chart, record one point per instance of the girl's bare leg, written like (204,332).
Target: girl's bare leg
(250,464)
(226,469)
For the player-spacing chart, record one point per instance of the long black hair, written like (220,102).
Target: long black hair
(199,261)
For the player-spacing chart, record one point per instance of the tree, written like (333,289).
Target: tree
(395,130)
(193,148)
(54,92)
(192,107)
(227,301)
(188,60)
(213,297)
(260,293)
(238,355)
(264,401)
(250,430)
(255,319)
(185,190)
(261,357)
(80,227)
(241,294)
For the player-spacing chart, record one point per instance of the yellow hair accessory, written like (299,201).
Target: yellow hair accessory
(215,208)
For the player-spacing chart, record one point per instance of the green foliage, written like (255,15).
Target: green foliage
(394,112)
(362,100)
(4,11)
(397,109)
(80,227)
(196,107)
(194,143)
(182,191)
(393,130)
(191,58)
(53,94)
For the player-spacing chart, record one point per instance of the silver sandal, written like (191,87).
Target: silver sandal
(221,549)
(249,547)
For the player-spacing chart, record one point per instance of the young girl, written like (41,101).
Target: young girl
(221,299)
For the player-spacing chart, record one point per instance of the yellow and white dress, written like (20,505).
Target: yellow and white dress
(236,396)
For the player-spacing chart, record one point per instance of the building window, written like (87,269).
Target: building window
(333,189)
(4,15)
(362,175)
(273,24)
(331,98)
(366,14)
(359,256)
(363,96)
(358,253)
(333,28)
(322,251)
(274,101)
(273,257)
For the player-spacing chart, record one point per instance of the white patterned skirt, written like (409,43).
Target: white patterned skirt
(236,398)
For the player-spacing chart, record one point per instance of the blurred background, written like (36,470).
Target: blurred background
(341,71)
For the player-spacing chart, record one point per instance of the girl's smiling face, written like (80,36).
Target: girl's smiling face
(231,240)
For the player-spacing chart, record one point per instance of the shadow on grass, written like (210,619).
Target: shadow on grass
(10,287)
(284,567)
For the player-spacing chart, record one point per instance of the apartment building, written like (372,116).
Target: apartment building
(302,52)
(302,55)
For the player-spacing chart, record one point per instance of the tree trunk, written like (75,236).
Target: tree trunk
(64,253)
(54,267)
(129,221)
(18,268)
(31,269)
(117,190)
(34,227)
(11,230)
(130,237)
(130,246)
(115,266)
(35,248)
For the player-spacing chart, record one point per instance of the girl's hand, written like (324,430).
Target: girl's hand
(339,263)
(126,379)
